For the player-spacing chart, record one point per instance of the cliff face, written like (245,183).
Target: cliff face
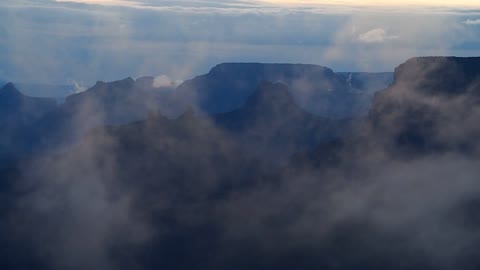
(431,106)
(440,75)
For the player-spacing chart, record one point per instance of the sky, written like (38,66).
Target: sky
(82,41)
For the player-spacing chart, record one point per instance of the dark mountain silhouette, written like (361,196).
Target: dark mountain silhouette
(431,106)
(38,124)
(316,89)
(18,113)
(122,101)
(400,192)
(112,103)
(430,109)
(106,103)
(15,105)
(419,142)
(439,75)
(209,199)
(268,118)
(271,122)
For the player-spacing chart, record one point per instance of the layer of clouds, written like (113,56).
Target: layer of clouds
(92,42)
(331,6)
(386,40)
(127,3)
(472,22)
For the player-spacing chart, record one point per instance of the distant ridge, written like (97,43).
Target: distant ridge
(315,88)
(12,101)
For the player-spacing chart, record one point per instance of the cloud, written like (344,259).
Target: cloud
(403,3)
(472,22)
(285,7)
(198,35)
(377,35)
(165,81)
(125,3)
(78,88)
(189,6)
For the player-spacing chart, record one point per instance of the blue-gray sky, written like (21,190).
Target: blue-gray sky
(88,40)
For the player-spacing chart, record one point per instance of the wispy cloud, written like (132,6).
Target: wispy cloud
(275,6)
(126,3)
(378,35)
(472,22)
(185,38)
(450,3)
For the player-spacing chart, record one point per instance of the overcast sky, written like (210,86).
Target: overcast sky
(87,40)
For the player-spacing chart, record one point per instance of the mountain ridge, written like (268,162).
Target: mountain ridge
(204,184)
(314,87)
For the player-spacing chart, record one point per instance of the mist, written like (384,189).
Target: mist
(181,142)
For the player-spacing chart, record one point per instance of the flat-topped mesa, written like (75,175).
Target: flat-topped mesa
(227,86)
(420,79)
(317,89)
(440,75)
(267,69)
(120,84)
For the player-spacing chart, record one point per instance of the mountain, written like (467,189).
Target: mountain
(431,106)
(315,88)
(180,174)
(269,126)
(39,124)
(16,106)
(271,122)
(268,118)
(115,102)
(200,191)
(439,75)
(18,113)
(195,192)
